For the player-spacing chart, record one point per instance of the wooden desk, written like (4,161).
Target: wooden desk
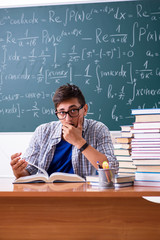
(75,211)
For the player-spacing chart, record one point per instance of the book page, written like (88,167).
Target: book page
(66,177)
(32,178)
(42,170)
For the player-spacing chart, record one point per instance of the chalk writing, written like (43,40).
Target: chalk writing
(110,50)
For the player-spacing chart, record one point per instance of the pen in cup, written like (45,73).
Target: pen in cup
(98,164)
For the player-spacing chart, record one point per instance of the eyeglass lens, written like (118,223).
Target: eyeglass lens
(72,113)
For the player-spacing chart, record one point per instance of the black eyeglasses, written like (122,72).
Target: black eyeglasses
(72,113)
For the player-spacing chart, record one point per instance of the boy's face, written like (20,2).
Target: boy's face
(72,104)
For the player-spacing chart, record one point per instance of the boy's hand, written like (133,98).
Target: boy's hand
(18,165)
(72,134)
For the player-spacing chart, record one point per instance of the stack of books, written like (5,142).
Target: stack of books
(119,181)
(146,146)
(122,151)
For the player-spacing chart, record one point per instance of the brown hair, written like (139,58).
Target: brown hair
(66,92)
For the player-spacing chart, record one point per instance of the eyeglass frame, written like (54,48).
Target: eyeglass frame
(67,112)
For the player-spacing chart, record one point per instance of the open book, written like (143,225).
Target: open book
(54,187)
(54,177)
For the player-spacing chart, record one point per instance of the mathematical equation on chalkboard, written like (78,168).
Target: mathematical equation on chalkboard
(110,50)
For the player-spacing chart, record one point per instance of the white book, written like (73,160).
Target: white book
(154,130)
(145,140)
(146,149)
(145,145)
(146,156)
(124,158)
(145,111)
(127,134)
(146,183)
(126,171)
(146,125)
(123,164)
(146,162)
(153,176)
(122,145)
(147,135)
(148,153)
(127,128)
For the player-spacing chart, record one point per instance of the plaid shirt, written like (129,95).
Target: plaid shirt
(45,138)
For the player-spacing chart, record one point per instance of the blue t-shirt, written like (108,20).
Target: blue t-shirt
(61,161)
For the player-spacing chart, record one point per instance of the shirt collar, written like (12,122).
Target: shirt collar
(57,132)
(84,127)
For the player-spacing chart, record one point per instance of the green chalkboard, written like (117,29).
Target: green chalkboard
(110,50)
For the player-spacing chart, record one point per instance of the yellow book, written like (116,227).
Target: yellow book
(123,140)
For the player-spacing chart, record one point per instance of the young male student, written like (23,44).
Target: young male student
(73,144)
